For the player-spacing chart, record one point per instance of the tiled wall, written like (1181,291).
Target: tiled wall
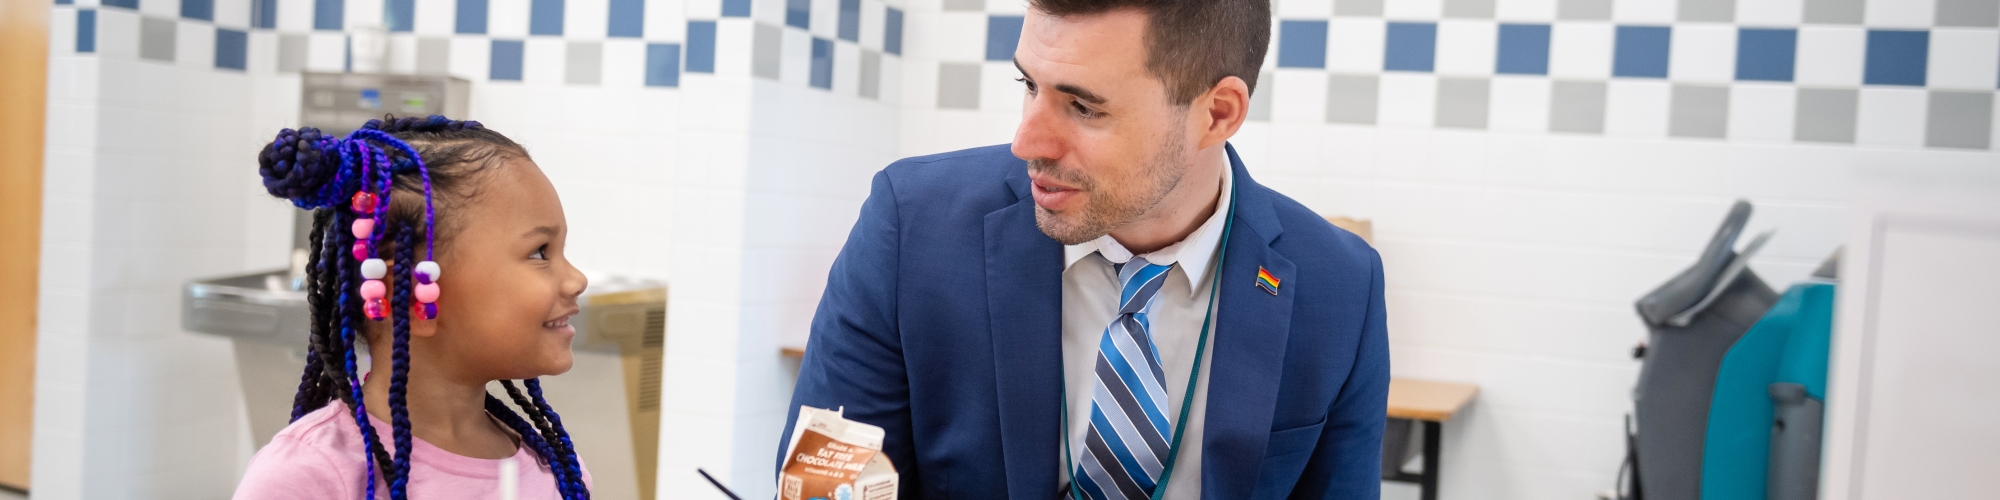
(1533,166)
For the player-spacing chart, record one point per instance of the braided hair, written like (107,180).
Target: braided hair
(416,166)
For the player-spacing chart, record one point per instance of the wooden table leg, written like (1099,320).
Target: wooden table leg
(1433,432)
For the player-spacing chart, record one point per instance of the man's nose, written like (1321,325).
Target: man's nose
(1039,135)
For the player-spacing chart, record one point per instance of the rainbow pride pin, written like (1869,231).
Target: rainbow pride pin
(1266,281)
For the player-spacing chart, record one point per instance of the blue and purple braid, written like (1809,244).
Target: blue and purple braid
(534,386)
(399,378)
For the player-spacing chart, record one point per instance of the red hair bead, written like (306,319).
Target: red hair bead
(427,310)
(376,308)
(364,202)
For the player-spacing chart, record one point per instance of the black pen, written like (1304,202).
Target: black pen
(718,485)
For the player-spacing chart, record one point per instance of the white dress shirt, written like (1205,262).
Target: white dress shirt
(1090,302)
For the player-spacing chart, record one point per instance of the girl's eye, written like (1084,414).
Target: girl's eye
(539,253)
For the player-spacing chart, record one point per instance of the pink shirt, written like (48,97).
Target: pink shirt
(320,457)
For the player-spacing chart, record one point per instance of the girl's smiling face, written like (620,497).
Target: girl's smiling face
(508,290)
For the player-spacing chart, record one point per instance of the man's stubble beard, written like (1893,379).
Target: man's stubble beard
(1105,210)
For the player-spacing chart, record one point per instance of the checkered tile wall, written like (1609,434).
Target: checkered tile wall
(325,29)
(1845,67)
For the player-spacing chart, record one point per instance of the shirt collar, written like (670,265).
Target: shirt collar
(1194,254)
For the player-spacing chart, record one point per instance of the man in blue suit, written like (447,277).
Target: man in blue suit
(1110,307)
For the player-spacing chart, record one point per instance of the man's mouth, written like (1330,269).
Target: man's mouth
(1052,195)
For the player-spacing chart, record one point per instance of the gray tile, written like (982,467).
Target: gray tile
(1960,120)
(433,56)
(1357,8)
(1700,111)
(1720,11)
(871,74)
(1587,10)
(1826,115)
(156,39)
(1576,107)
(965,5)
(584,63)
(1260,98)
(766,51)
(1462,102)
(1834,11)
(1468,9)
(1352,98)
(958,86)
(1968,13)
(292,53)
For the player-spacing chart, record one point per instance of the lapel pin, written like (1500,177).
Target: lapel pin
(1266,281)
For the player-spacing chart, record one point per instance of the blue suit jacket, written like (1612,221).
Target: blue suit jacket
(942,323)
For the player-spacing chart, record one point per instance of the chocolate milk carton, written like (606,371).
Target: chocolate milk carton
(832,458)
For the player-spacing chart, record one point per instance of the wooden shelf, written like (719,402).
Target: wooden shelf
(1428,400)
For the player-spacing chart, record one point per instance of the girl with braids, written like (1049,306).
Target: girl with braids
(395,204)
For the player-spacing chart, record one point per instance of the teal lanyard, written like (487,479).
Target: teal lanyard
(1187,399)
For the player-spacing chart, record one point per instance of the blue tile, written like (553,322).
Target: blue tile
(1766,54)
(65,2)
(892,31)
(850,20)
(1897,57)
(628,19)
(1410,47)
(471,17)
(1524,50)
(701,47)
(129,4)
(1002,34)
(198,9)
(86,31)
(400,15)
(1641,51)
(265,15)
(545,17)
(232,48)
(663,63)
(329,14)
(1301,43)
(798,14)
(822,64)
(506,60)
(735,8)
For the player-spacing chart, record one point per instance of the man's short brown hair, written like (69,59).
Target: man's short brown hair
(1191,44)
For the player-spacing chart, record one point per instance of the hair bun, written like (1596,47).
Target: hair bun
(297,165)
(432,123)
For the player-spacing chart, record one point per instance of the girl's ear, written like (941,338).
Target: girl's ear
(420,327)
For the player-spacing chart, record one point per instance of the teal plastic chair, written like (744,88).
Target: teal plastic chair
(1764,422)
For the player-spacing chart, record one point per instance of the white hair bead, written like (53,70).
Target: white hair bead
(374,269)
(431,269)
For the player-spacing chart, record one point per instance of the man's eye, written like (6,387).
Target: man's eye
(1024,81)
(1082,110)
(539,253)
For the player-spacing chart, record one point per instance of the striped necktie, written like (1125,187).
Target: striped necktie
(1127,442)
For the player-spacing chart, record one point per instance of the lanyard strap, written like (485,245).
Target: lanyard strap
(1187,398)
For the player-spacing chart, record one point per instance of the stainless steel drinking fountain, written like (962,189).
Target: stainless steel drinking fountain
(619,333)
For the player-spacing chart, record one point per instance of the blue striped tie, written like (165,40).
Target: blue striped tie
(1127,443)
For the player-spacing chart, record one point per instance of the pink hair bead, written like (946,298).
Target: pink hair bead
(361,250)
(427,292)
(364,228)
(375,308)
(373,289)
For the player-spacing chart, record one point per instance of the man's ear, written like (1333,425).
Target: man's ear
(1223,108)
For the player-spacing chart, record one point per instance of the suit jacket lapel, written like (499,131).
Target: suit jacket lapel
(1024,299)
(1249,338)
